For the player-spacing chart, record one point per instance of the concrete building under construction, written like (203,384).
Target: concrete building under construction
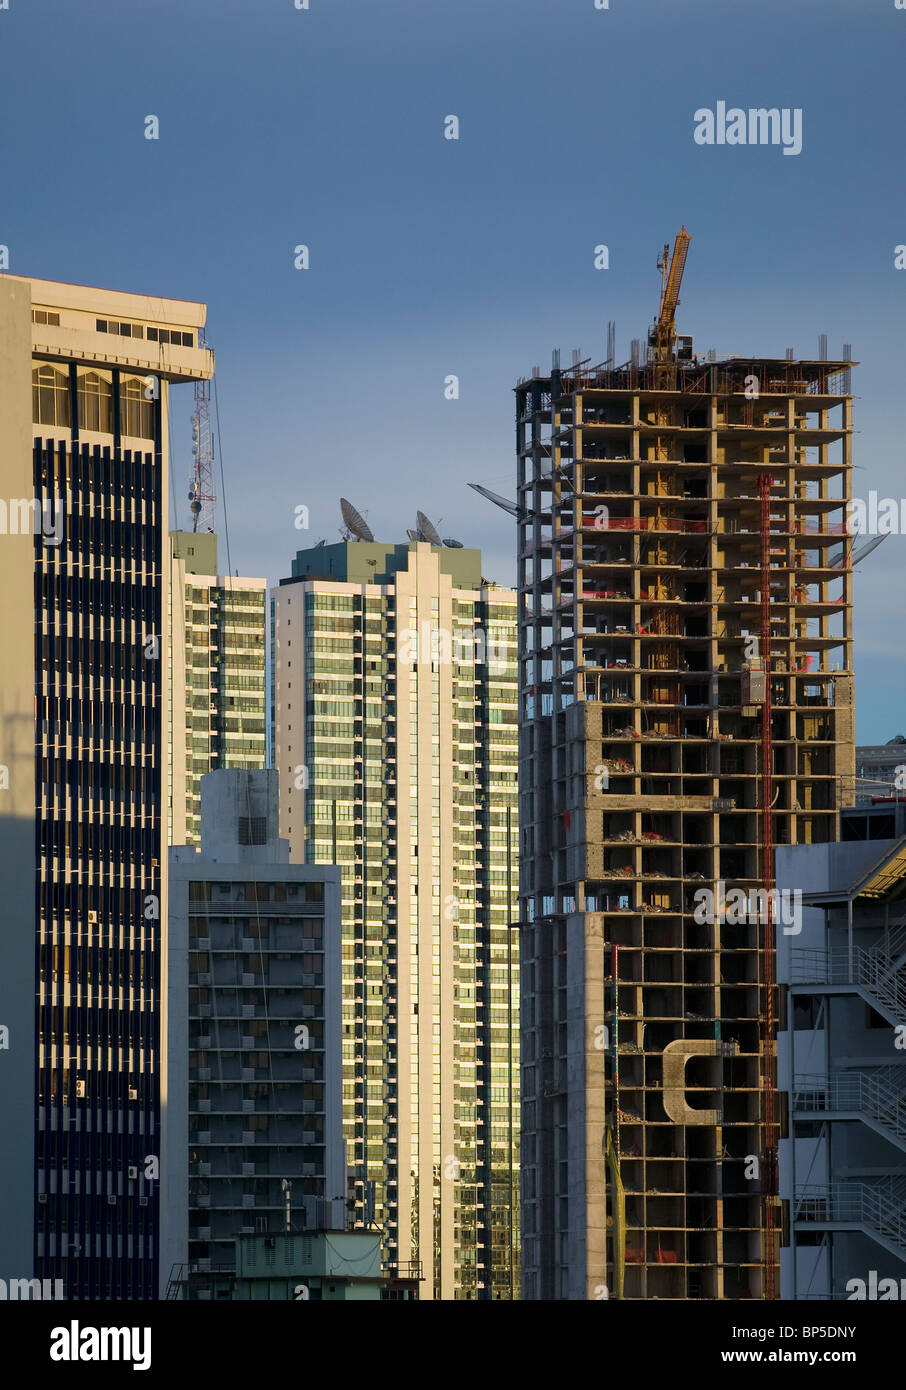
(687,705)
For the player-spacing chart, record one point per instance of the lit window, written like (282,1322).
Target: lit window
(95,403)
(137,413)
(50,396)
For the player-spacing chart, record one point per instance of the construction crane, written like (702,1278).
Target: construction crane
(662,336)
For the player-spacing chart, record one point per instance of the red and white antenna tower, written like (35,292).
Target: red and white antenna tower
(201,485)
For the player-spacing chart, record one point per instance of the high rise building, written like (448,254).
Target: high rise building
(253,1037)
(880,770)
(686,705)
(217,676)
(842,1064)
(84,384)
(394,671)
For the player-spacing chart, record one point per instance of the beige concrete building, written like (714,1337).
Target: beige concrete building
(394,716)
(217,676)
(85,376)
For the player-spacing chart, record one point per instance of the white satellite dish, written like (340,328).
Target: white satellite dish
(355,522)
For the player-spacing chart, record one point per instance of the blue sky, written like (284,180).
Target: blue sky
(431,257)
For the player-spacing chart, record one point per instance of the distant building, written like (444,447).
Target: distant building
(394,687)
(842,1063)
(253,1035)
(876,770)
(300,1267)
(217,676)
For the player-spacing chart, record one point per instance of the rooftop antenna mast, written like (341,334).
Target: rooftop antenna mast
(201,485)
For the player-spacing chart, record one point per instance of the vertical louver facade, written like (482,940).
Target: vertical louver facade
(82,547)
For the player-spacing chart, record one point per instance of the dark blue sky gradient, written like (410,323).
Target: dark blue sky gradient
(431,257)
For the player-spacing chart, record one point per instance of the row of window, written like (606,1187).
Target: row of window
(51,403)
(154,335)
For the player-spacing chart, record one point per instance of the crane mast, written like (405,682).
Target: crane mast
(662,338)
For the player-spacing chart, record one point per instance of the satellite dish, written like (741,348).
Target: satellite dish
(413,535)
(503,502)
(453,545)
(428,529)
(355,522)
(320,543)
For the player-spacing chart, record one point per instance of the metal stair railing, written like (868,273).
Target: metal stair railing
(872,971)
(881,1207)
(894,950)
(875,1093)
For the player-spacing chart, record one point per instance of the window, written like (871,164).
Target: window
(50,396)
(136,413)
(95,403)
(156,335)
(171,335)
(45,316)
(125,330)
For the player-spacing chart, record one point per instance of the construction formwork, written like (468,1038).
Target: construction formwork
(687,704)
